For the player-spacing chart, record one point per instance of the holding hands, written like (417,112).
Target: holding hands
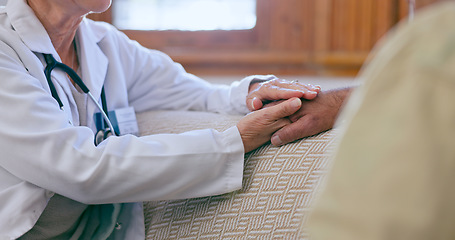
(313,117)
(257,127)
(285,111)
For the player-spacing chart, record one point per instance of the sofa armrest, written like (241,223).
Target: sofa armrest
(278,187)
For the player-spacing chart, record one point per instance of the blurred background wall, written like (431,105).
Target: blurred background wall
(291,37)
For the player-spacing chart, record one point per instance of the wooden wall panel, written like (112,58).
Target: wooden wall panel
(322,25)
(365,21)
(291,37)
(352,28)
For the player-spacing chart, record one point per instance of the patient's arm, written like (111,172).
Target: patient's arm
(314,116)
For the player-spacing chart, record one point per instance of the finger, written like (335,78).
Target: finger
(310,91)
(317,88)
(270,93)
(279,124)
(299,114)
(298,85)
(287,134)
(310,95)
(280,89)
(294,131)
(256,104)
(283,109)
(270,104)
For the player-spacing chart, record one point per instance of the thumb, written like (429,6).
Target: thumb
(256,104)
(285,108)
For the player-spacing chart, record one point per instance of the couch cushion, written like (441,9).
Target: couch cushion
(278,187)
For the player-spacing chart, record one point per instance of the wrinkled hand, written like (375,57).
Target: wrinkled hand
(257,127)
(314,116)
(277,89)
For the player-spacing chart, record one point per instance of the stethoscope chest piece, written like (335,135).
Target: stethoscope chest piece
(101,135)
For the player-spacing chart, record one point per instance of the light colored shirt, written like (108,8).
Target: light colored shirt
(393,174)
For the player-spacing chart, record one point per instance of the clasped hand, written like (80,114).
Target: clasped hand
(269,114)
(285,111)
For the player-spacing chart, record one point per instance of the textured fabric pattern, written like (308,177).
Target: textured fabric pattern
(278,187)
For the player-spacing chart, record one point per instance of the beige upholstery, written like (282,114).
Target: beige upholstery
(278,187)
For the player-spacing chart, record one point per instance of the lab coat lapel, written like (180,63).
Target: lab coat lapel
(32,33)
(29,28)
(92,59)
(94,64)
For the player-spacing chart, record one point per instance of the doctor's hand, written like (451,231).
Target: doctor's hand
(262,92)
(257,127)
(314,116)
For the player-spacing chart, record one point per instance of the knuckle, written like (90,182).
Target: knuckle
(275,81)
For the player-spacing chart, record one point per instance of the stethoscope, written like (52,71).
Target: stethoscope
(51,65)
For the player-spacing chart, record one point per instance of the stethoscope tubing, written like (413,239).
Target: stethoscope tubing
(103,113)
(52,64)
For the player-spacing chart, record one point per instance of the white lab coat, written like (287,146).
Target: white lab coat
(44,151)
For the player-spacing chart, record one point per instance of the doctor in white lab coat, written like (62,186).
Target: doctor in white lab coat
(55,182)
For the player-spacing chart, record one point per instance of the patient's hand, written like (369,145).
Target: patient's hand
(314,116)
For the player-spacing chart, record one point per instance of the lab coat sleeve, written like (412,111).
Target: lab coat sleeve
(157,82)
(39,146)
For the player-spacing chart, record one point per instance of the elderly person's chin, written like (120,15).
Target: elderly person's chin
(95,6)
